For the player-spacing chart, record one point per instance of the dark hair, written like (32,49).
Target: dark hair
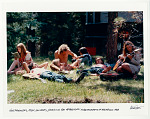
(83,50)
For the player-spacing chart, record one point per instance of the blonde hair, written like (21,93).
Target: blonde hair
(63,47)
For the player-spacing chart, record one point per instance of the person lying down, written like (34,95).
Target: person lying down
(41,73)
(96,69)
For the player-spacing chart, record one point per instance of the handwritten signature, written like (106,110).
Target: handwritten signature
(136,107)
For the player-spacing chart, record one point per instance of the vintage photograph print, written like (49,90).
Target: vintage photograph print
(75,57)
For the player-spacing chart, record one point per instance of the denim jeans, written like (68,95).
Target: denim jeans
(92,70)
(51,76)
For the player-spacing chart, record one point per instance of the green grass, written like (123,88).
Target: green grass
(90,90)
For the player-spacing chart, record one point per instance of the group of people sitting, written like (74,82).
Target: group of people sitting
(129,63)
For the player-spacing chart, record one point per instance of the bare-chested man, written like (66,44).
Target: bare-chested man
(63,52)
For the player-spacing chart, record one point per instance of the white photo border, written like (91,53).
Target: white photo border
(74,6)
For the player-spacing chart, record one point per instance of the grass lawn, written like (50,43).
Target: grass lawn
(90,90)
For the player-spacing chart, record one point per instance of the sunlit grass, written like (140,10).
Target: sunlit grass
(27,91)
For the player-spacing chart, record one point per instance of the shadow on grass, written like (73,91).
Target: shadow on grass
(13,78)
(8,78)
(123,89)
(137,94)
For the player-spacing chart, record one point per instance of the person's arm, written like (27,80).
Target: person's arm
(136,59)
(28,58)
(72,54)
(56,54)
(78,57)
(121,57)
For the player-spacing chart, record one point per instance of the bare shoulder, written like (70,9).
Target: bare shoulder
(28,52)
(56,52)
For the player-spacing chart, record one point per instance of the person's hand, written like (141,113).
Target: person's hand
(121,57)
(129,56)
(62,66)
(75,58)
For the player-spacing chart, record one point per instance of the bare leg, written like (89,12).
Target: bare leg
(13,65)
(45,64)
(19,71)
(119,69)
(125,66)
(26,67)
(76,63)
(107,69)
(127,69)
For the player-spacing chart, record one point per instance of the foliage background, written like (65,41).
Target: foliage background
(49,30)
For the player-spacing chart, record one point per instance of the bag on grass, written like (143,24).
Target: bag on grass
(110,76)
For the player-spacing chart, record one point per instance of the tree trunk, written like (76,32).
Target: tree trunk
(37,49)
(112,39)
(31,47)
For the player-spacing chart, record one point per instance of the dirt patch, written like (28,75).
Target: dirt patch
(60,100)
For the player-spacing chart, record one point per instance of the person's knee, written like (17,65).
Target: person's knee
(46,63)
(124,66)
(24,63)
(51,66)
(118,69)
(26,67)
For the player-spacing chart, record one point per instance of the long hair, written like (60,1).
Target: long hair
(23,50)
(125,48)
(63,47)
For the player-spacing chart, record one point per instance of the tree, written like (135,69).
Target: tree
(112,37)
(118,28)
(44,32)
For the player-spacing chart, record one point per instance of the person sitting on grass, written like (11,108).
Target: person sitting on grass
(24,61)
(129,60)
(84,57)
(98,68)
(41,73)
(63,52)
